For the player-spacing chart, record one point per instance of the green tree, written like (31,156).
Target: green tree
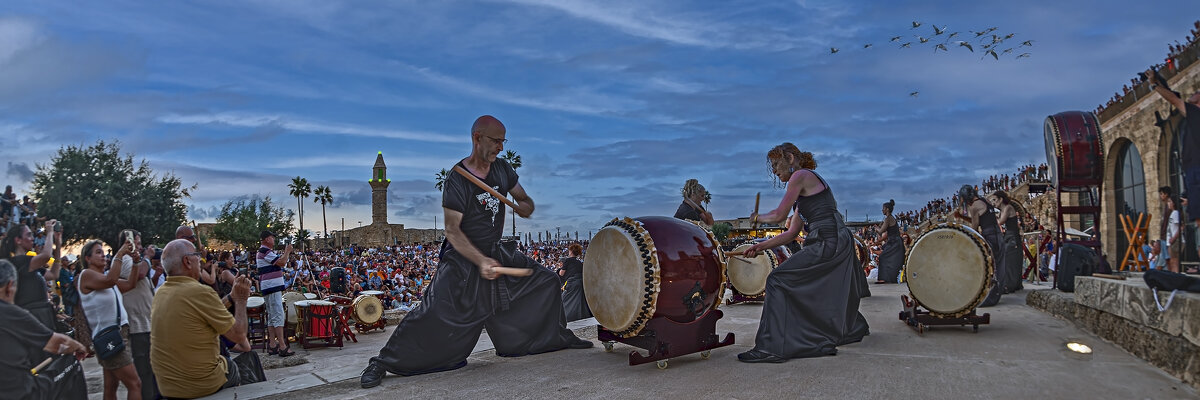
(324,196)
(721,230)
(300,189)
(513,158)
(440,179)
(96,192)
(241,221)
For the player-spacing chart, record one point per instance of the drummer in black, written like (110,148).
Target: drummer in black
(891,258)
(983,220)
(574,301)
(811,301)
(523,315)
(694,194)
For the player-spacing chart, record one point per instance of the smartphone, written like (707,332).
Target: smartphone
(129,237)
(58,226)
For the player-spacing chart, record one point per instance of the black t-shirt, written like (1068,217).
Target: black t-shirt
(483,214)
(23,338)
(31,286)
(1190,137)
(686,211)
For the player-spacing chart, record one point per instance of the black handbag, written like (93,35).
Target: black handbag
(108,342)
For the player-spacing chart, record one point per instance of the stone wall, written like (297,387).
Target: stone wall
(385,234)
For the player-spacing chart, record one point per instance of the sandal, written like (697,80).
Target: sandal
(286,352)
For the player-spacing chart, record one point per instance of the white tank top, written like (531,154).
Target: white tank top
(100,307)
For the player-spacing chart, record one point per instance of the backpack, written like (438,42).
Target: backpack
(1166,280)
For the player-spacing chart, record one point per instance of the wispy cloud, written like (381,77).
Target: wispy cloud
(296,124)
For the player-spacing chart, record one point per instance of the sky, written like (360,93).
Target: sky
(612,105)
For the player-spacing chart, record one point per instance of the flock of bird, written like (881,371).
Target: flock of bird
(988,43)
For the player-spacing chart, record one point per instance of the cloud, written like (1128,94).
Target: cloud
(301,125)
(37,64)
(21,171)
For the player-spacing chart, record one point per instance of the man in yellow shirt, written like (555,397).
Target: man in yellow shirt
(186,320)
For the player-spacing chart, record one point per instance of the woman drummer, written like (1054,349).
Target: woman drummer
(811,304)
(983,220)
(892,256)
(1013,255)
(575,304)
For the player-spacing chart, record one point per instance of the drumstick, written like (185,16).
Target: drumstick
(42,365)
(756,198)
(741,259)
(484,186)
(511,271)
(693,204)
(734,253)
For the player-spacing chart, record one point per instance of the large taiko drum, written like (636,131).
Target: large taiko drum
(749,275)
(949,270)
(863,254)
(317,318)
(648,267)
(289,302)
(1073,150)
(367,309)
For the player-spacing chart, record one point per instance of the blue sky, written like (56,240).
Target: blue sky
(612,105)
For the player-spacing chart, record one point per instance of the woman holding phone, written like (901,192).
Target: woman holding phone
(103,307)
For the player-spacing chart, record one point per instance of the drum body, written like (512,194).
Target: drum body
(639,269)
(254,305)
(749,275)
(367,309)
(864,255)
(949,270)
(289,302)
(1073,149)
(316,318)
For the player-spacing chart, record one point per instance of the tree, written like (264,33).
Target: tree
(721,230)
(440,179)
(300,189)
(324,196)
(241,221)
(96,192)
(515,161)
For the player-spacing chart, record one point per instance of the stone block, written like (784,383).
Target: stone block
(1143,310)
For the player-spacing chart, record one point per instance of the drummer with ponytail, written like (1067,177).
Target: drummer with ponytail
(983,220)
(891,258)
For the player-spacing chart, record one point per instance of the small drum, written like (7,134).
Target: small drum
(639,269)
(289,301)
(310,296)
(749,275)
(1073,149)
(375,293)
(949,270)
(255,303)
(316,318)
(367,309)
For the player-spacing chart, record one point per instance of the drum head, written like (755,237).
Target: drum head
(948,270)
(614,277)
(749,275)
(310,296)
(319,303)
(290,299)
(304,303)
(371,293)
(367,309)
(255,301)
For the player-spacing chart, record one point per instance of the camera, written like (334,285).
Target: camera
(222,264)
(244,271)
(58,226)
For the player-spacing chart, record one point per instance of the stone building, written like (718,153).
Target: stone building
(1140,135)
(380,232)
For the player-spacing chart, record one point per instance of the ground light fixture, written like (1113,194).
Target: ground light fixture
(1079,348)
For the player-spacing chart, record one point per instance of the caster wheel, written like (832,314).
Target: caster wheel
(608,347)
(705,354)
(975,329)
(662,364)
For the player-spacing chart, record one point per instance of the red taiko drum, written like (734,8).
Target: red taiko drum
(1073,150)
(638,269)
(317,318)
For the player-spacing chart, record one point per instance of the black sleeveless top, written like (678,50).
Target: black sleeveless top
(893,231)
(987,221)
(819,211)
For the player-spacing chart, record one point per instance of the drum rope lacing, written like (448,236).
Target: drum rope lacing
(647,251)
(987,259)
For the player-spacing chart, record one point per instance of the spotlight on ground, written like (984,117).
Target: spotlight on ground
(1079,348)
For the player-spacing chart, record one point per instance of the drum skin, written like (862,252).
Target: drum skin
(949,270)
(1073,149)
(750,278)
(367,309)
(289,300)
(638,269)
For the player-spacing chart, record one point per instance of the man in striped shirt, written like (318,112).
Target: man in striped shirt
(271,284)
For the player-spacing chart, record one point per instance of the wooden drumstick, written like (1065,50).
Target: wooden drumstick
(734,253)
(756,198)
(693,204)
(511,271)
(484,186)
(42,365)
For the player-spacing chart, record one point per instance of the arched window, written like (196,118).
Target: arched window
(1130,188)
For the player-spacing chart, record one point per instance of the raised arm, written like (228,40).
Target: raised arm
(524,202)
(463,246)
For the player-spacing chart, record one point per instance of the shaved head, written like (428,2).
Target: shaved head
(487,124)
(183,231)
(173,254)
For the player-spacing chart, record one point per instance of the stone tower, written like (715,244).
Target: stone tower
(379,184)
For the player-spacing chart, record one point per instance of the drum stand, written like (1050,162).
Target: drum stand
(665,338)
(921,320)
(381,324)
(739,298)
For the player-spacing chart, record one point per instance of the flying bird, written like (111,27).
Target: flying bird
(978,34)
(906,45)
(895,38)
(833,50)
(967,45)
(952,35)
(1027,43)
(938,31)
(923,40)
(1009,36)
(1023,55)
(914,94)
(916,25)
(990,30)
(1006,51)
(992,52)
(867,46)
(939,46)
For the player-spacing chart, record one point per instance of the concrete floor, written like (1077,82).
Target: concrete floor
(1021,354)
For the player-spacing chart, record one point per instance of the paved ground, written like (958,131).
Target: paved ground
(1021,354)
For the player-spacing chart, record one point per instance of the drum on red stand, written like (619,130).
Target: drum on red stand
(639,269)
(1073,149)
(317,318)
(749,275)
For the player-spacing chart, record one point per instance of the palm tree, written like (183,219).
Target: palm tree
(515,161)
(301,189)
(324,196)
(440,179)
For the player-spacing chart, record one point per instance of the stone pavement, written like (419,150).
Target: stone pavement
(1021,354)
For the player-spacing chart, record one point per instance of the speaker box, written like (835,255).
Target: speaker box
(337,280)
(1074,260)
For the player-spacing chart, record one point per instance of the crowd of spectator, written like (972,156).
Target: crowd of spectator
(1169,63)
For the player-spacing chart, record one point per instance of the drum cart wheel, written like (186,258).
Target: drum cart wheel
(662,364)
(608,347)
(704,355)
